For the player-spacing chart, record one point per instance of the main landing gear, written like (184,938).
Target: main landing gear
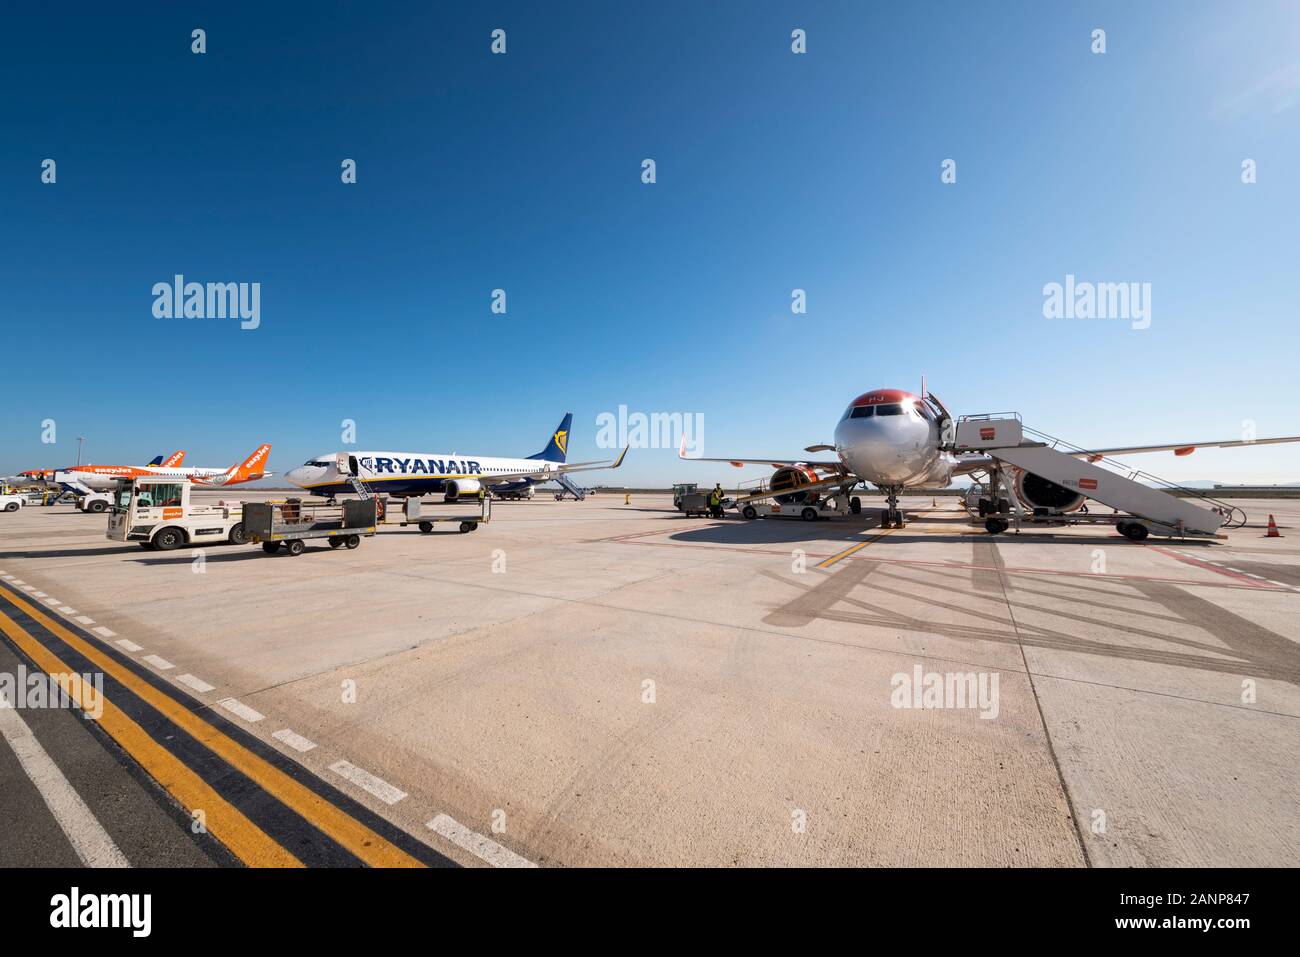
(892,515)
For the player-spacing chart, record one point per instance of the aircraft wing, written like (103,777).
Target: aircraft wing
(774,463)
(1185,448)
(978,463)
(549,470)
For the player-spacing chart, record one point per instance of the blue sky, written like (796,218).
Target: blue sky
(523,172)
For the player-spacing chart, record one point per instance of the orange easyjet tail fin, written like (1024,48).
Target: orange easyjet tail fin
(174,460)
(252,468)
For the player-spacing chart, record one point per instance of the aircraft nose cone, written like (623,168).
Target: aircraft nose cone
(295,476)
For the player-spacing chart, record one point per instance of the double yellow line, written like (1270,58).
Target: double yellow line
(223,820)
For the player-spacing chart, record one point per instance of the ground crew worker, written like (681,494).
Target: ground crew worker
(715,501)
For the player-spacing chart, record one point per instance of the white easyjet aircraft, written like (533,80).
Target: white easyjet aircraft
(83,478)
(896,440)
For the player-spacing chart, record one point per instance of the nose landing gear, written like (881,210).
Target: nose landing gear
(892,516)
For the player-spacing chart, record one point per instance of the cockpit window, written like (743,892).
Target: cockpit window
(863,412)
(319,462)
(894,408)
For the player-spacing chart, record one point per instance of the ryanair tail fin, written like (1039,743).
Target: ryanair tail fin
(558,447)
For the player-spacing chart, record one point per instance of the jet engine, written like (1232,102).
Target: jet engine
(1038,492)
(788,479)
(455,488)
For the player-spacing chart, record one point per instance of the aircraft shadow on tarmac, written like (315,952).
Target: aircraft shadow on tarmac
(775,531)
(66,552)
(183,555)
(860,593)
(781,531)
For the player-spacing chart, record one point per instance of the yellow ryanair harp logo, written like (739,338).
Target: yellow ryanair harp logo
(562,440)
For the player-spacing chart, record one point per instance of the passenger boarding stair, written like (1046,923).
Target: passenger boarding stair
(69,482)
(1004,438)
(349,468)
(360,487)
(568,485)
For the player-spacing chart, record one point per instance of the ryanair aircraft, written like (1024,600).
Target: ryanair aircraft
(412,474)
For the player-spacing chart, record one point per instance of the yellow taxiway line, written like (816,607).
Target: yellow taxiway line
(840,556)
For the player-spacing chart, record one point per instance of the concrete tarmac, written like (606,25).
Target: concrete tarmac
(594,683)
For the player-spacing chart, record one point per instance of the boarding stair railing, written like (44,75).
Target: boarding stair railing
(1161,505)
(1234,517)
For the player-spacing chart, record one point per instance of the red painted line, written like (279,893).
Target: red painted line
(1197,563)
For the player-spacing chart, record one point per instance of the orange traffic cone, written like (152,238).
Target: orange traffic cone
(1272,529)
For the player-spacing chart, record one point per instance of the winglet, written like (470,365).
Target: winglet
(681,449)
(621,456)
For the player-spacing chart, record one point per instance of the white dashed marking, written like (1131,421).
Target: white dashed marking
(39,594)
(162,664)
(85,619)
(68,610)
(198,684)
(106,632)
(482,847)
(128,644)
(240,709)
(368,782)
(293,740)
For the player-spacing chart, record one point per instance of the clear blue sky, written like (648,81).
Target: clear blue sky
(522,171)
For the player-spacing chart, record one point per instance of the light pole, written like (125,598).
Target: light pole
(80,439)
